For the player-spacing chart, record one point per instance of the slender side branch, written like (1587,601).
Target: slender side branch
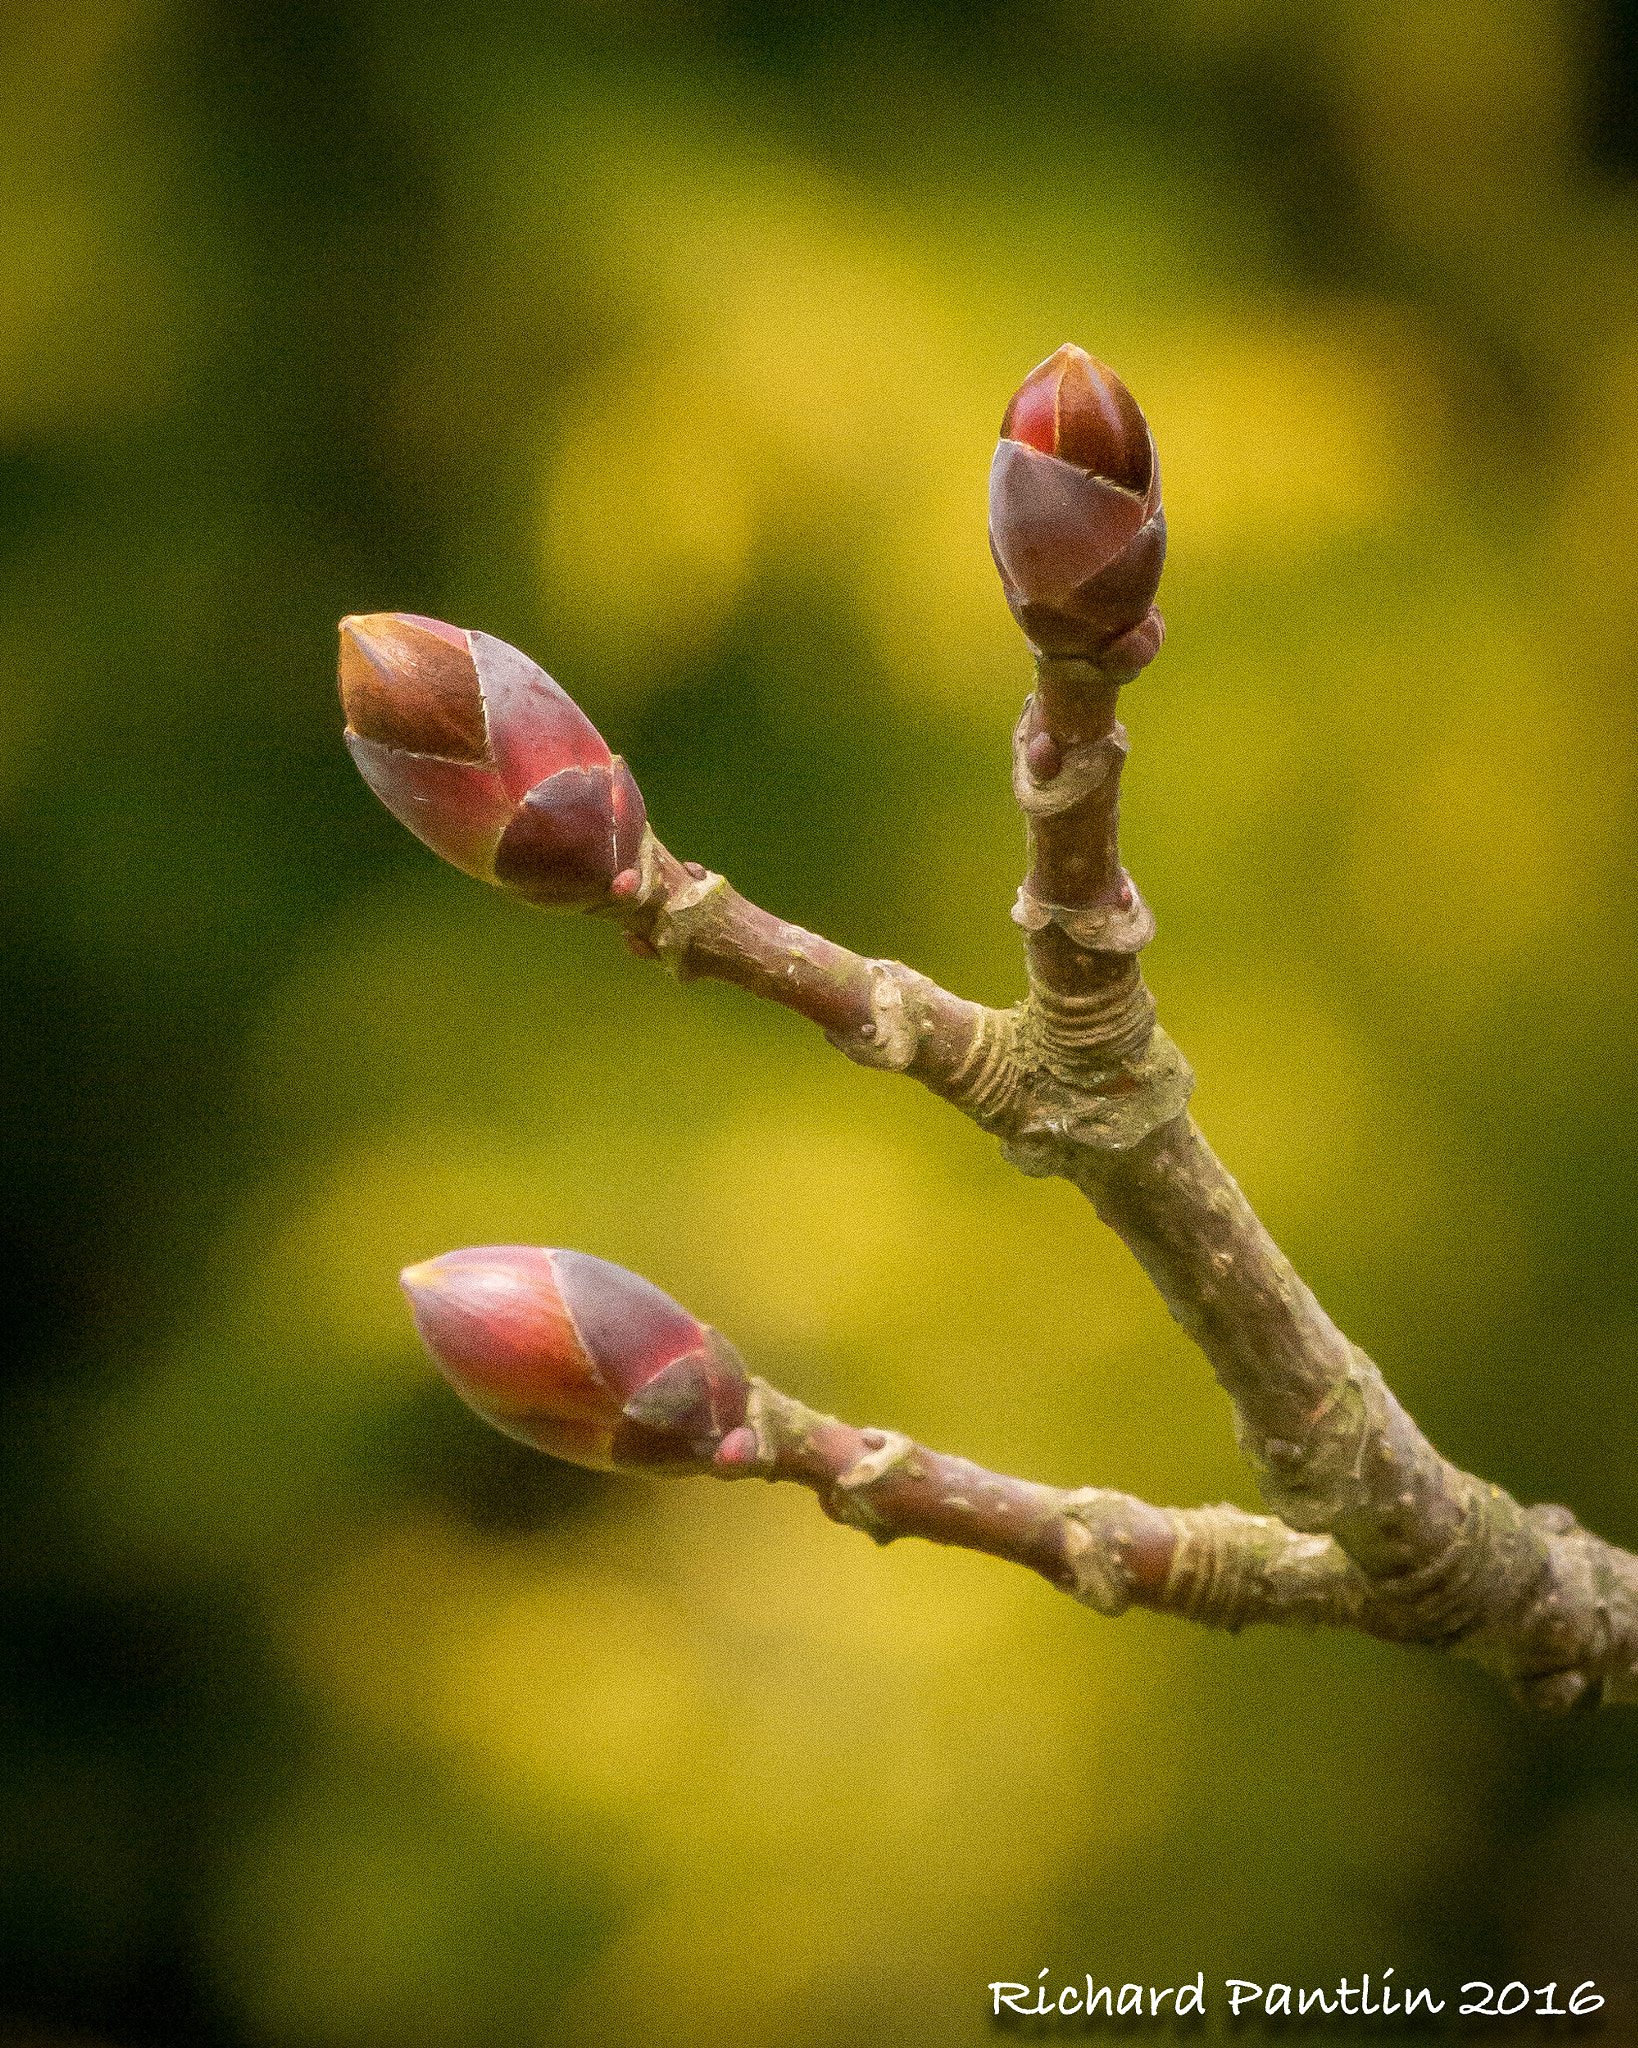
(880,1013)
(1108,1550)
(591,1363)
(1216,1565)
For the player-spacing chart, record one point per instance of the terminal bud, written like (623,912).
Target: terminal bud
(578,1357)
(1076,526)
(473,746)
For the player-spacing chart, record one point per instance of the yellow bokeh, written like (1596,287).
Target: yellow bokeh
(671,344)
(1285,428)
(88,320)
(651,520)
(1471,853)
(782,1707)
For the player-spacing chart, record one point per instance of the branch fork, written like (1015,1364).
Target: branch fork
(1369,1528)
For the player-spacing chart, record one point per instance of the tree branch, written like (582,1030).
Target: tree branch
(1216,1565)
(1108,1550)
(487,760)
(1375,1529)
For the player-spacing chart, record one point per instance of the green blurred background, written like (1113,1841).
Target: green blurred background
(670,342)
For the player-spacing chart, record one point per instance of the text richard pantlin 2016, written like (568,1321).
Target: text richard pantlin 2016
(1367,1996)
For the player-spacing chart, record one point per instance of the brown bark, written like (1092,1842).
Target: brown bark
(1370,1527)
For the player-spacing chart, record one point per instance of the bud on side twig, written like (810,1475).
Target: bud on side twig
(473,746)
(1076,527)
(577,1357)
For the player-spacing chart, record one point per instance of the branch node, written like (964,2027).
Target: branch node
(1450,1596)
(988,1085)
(650,881)
(678,921)
(1205,1581)
(1056,778)
(1096,927)
(1086,1038)
(766,1412)
(886,1451)
(1111,1112)
(891,1038)
(1100,1577)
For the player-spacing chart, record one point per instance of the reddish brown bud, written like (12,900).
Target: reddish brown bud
(483,757)
(577,1357)
(1076,527)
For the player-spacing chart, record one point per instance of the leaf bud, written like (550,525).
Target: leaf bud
(577,1357)
(474,747)
(1076,527)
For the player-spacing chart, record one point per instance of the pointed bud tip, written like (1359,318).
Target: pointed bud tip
(410,684)
(495,1325)
(1076,408)
(367,623)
